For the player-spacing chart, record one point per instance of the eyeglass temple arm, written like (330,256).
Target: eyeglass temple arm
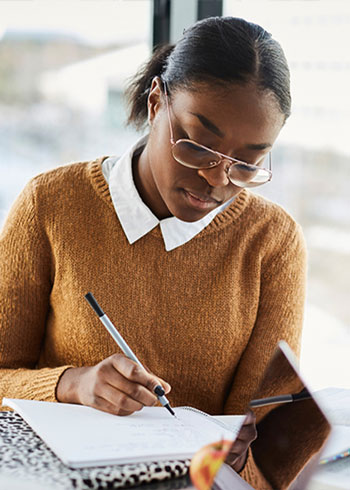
(172,141)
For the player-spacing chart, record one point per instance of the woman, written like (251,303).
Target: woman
(201,276)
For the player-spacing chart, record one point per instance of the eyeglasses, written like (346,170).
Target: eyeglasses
(193,155)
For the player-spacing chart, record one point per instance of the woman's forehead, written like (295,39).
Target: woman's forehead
(245,108)
(236,98)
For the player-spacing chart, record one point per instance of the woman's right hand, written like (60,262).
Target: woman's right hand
(116,385)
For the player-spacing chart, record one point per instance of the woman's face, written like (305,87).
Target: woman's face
(237,121)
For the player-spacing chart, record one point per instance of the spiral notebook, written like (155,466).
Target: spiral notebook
(82,436)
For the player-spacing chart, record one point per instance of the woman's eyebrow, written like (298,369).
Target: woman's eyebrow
(214,129)
(208,124)
(258,146)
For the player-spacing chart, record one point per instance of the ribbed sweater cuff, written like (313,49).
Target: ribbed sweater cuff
(252,474)
(46,383)
(33,384)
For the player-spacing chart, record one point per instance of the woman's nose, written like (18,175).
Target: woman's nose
(215,176)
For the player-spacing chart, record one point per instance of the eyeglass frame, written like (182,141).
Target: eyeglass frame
(222,156)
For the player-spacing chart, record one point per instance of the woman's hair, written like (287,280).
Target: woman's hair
(216,50)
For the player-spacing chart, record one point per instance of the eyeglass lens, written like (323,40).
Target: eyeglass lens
(192,155)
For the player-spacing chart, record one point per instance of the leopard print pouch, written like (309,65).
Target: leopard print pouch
(24,455)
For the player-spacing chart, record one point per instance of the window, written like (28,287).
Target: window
(311,163)
(63,68)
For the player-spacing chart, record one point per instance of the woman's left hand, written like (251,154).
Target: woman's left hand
(238,452)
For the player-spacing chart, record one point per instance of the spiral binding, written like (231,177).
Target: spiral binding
(218,422)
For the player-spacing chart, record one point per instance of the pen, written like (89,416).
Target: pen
(342,455)
(158,390)
(294,397)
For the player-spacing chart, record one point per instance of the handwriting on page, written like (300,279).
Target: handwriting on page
(185,433)
(82,436)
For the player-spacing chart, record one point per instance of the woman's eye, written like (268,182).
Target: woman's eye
(193,147)
(181,134)
(250,161)
(197,148)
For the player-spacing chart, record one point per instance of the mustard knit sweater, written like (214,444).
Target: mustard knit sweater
(206,316)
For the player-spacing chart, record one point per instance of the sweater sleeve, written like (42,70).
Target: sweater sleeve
(252,474)
(26,276)
(279,317)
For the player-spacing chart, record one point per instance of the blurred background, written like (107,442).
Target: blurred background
(63,69)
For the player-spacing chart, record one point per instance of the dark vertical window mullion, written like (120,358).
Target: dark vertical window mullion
(161,22)
(209,8)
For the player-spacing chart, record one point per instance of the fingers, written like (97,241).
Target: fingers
(119,388)
(135,373)
(250,418)
(118,385)
(123,408)
(245,437)
(166,386)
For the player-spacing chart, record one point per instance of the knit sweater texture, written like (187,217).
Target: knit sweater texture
(205,317)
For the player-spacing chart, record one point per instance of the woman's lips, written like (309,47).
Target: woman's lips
(201,202)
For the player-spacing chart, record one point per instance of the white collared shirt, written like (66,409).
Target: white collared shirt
(135,217)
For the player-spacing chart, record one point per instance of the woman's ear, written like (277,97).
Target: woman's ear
(154,101)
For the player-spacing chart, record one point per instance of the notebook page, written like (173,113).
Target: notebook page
(82,436)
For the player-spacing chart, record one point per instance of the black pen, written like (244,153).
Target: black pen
(158,390)
(272,400)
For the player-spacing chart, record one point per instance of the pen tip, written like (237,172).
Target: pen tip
(168,407)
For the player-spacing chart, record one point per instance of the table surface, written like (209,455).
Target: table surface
(14,473)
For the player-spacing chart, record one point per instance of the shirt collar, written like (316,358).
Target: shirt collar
(135,217)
